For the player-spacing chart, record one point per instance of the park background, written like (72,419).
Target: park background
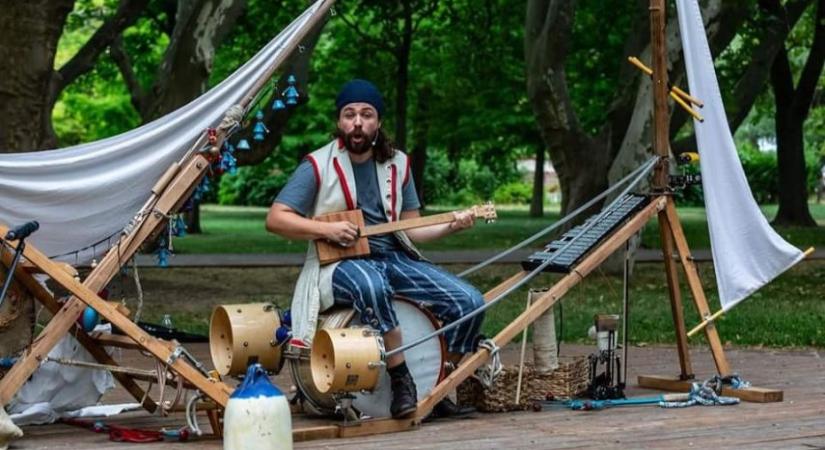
(480,94)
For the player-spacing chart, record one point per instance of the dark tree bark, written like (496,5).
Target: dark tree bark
(581,161)
(537,202)
(752,81)
(29,32)
(792,108)
(421,119)
(587,163)
(398,23)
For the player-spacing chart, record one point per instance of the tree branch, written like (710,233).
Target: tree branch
(382,44)
(809,79)
(121,59)
(752,81)
(127,13)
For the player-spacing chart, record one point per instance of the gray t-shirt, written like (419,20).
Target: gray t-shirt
(300,191)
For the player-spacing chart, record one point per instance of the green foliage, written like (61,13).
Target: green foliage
(515,193)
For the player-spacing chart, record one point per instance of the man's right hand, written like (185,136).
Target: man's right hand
(343,233)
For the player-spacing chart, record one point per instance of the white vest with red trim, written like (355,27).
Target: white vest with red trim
(337,192)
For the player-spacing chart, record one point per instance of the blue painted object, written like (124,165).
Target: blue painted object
(282,334)
(257,415)
(259,132)
(90,319)
(287,318)
(291,93)
(256,384)
(243,145)
(278,105)
(7,362)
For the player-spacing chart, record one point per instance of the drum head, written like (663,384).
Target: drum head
(425,362)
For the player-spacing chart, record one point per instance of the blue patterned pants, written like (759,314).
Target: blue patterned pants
(369,285)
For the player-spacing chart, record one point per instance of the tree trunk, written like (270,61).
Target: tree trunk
(537,203)
(29,32)
(580,161)
(421,120)
(199,28)
(402,56)
(792,107)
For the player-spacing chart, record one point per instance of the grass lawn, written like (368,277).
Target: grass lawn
(231,229)
(788,312)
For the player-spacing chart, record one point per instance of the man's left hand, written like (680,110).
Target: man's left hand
(463,219)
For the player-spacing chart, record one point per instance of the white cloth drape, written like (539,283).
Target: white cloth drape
(85,193)
(747,252)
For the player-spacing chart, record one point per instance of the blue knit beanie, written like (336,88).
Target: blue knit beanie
(360,91)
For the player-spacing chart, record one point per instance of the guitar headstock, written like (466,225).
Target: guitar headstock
(487,211)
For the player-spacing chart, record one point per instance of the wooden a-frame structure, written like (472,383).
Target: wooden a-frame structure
(179,183)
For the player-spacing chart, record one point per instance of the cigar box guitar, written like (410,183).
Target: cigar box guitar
(329,252)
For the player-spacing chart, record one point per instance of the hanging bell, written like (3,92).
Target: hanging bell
(259,131)
(243,145)
(291,93)
(278,105)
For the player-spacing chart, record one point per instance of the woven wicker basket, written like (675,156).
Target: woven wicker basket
(569,380)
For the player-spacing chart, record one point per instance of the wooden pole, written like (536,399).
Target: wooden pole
(659,77)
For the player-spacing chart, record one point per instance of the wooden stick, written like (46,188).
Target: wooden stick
(716,315)
(686,107)
(675,89)
(521,357)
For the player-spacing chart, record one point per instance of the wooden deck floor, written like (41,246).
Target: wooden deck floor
(798,422)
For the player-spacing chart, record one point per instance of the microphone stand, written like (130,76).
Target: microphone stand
(21,233)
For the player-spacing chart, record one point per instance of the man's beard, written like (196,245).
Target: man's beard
(361,147)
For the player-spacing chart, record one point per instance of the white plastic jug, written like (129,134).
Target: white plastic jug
(257,416)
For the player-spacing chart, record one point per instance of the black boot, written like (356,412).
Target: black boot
(404,395)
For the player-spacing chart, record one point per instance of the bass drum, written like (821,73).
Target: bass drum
(425,361)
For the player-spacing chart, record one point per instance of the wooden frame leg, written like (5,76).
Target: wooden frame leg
(11,383)
(696,289)
(676,308)
(64,320)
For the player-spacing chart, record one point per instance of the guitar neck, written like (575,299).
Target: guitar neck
(407,224)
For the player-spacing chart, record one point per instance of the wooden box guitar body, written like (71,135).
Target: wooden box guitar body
(329,252)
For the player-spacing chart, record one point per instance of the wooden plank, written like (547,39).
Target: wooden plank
(751,394)
(661,117)
(100,354)
(504,285)
(114,340)
(696,289)
(542,303)
(63,320)
(378,426)
(676,308)
(313,433)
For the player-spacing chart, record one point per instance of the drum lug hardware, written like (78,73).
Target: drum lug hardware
(376,364)
(174,355)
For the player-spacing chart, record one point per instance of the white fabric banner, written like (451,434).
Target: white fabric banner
(88,192)
(747,252)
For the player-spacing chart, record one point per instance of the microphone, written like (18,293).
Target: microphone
(22,231)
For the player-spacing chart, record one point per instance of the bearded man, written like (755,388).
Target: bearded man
(361,169)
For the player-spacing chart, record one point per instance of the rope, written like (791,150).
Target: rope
(705,394)
(647,167)
(560,222)
(487,374)
(138,289)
